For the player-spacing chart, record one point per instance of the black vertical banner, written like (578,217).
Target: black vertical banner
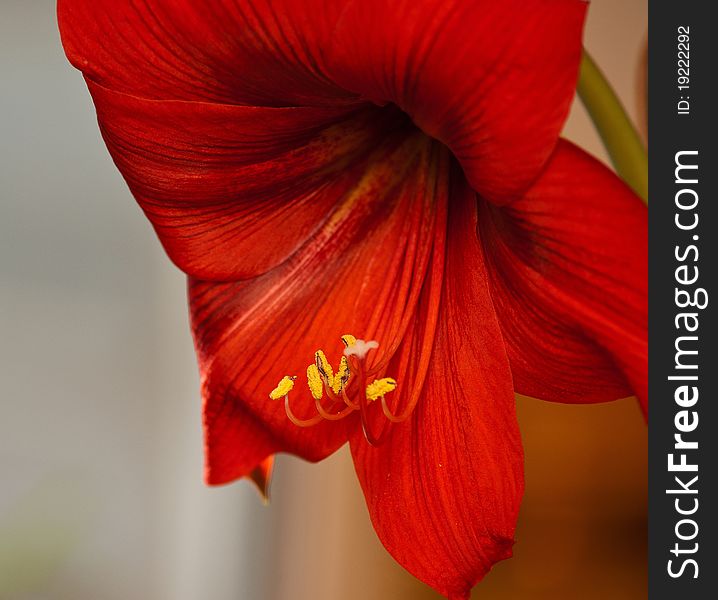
(683,372)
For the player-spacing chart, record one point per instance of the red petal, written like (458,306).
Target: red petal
(254,52)
(234,190)
(492,80)
(240,442)
(568,268)
(443,491)
(360,273)
(475,75)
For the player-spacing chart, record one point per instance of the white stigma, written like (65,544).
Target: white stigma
(360,348)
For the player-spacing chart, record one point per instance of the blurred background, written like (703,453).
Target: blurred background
(101,493)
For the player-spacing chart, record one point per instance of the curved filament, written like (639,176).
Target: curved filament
(332,416)
(348,402)
(398,418)
(296,420)
(374,440)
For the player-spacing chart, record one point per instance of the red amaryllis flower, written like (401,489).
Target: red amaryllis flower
(389,170)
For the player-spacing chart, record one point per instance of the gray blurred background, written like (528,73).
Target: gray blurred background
(101,493)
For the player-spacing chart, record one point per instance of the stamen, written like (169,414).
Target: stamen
(296,420)
(380,387)
(332,416)
(321,379)
(349,402)
(359,367)
(314,381)
(391,416)
(342,376)
(324,368)
(283,387)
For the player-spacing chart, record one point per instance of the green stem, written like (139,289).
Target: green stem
(618,134)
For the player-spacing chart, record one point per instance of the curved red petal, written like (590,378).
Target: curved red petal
(568,268)
(254,52)
(240,442)
(444,490)
(360,273)
(233,190)
(476,75)
(492,80)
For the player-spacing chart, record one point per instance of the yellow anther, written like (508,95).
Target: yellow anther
(314,381)
(324,368)
(380,387)
(341,377)
(283,388)
(349,340)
